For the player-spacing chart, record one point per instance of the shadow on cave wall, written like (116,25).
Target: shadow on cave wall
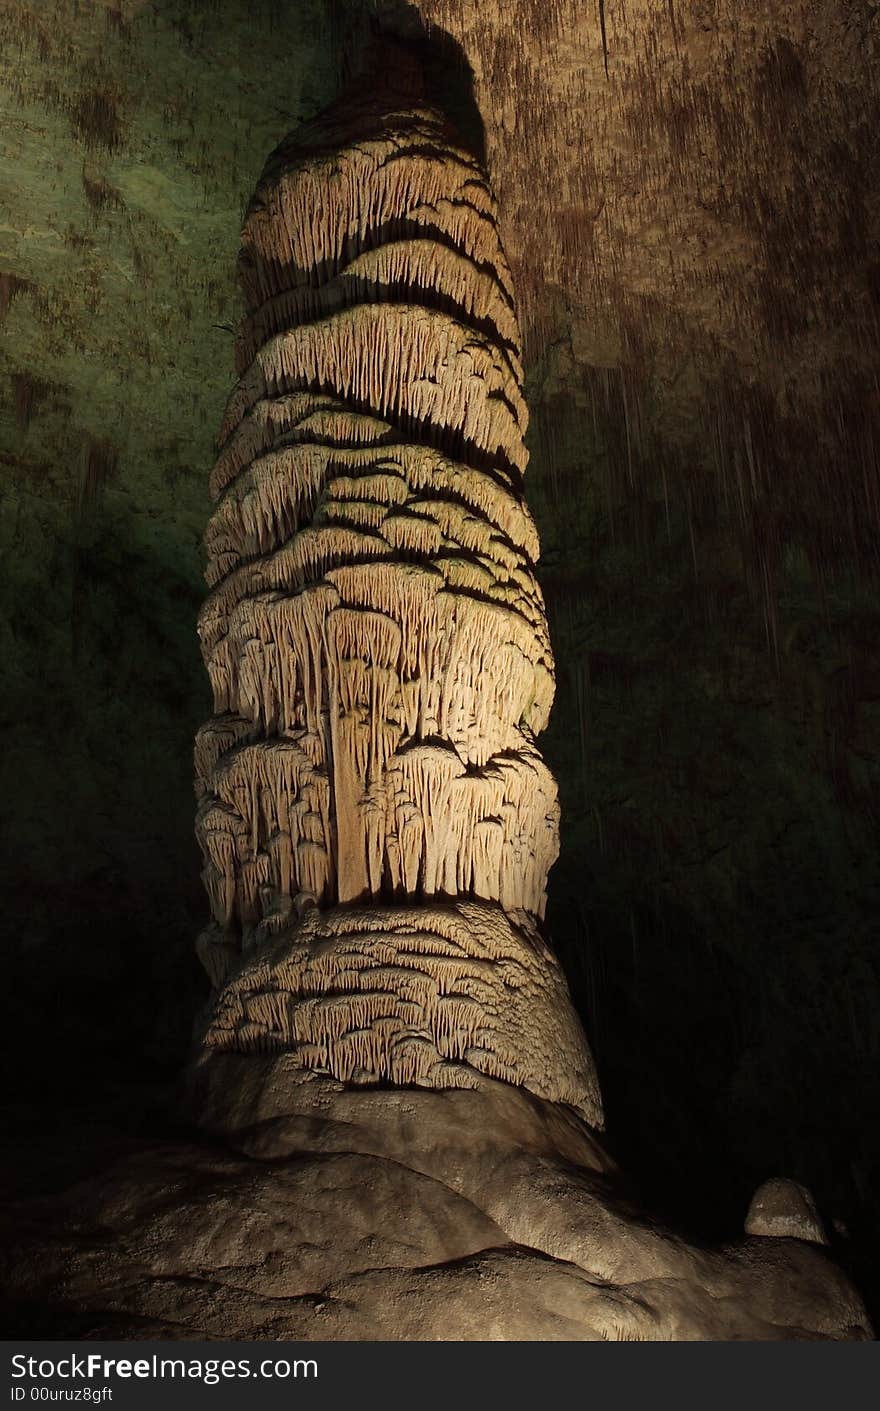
(104,506)
(99,868)
(726,1046)
(715,901)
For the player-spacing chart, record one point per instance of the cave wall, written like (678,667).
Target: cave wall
(133,138)
(693,235)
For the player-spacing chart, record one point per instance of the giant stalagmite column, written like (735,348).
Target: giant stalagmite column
(388,1024)
(376,820)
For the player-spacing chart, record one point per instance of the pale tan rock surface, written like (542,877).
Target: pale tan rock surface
(387,1215)
(376,821)
(375,634)
(783,1207)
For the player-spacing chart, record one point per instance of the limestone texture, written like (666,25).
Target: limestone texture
(692,237)
(392,1214)
(376,821)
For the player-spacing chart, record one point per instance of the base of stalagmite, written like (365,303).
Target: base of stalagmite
(440,995)
(539,1175)
(316,1211)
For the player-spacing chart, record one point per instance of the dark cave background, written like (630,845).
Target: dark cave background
(716,734)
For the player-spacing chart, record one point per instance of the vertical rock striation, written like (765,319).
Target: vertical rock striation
(376,821)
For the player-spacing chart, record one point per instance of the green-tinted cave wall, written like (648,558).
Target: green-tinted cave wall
(133,138)
(716,733)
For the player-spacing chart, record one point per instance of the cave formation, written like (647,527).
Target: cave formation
(376,822)
(377,827)
(375,634)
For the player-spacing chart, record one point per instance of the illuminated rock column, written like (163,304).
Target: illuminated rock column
(376,821)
